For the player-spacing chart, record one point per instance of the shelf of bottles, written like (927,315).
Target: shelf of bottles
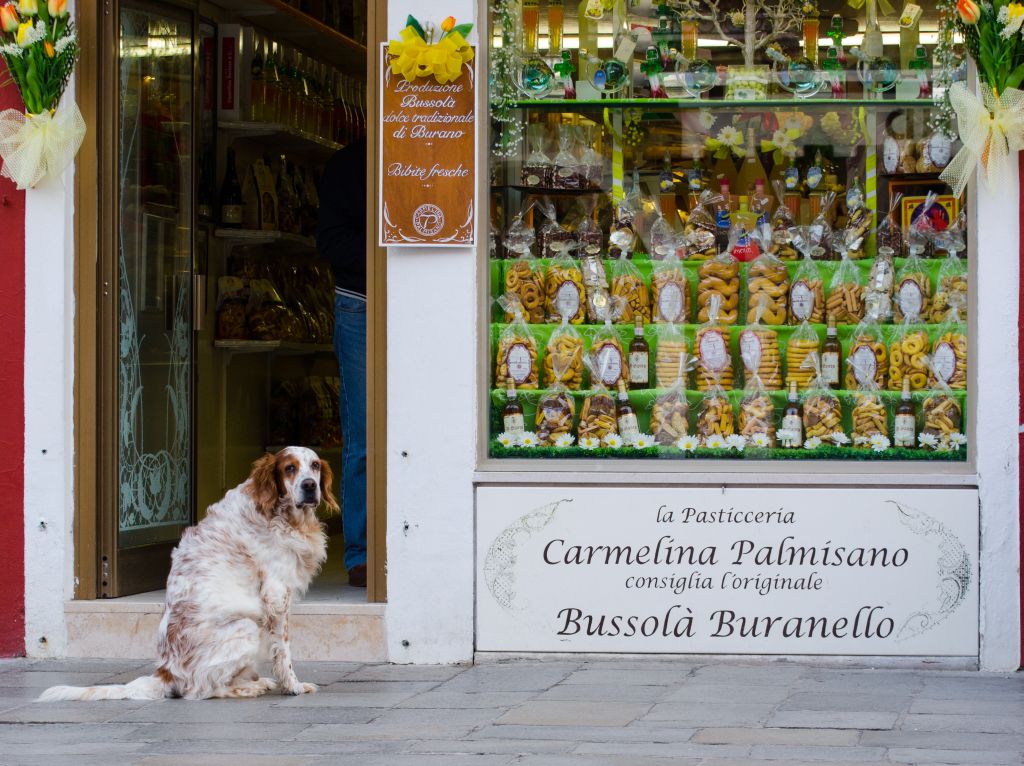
(718,231)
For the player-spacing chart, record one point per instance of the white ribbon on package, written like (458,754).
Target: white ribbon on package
(990,129)
(36,145)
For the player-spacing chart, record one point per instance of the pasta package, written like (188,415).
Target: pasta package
(782,221)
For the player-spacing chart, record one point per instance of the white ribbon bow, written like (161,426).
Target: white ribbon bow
(36,145)
(990,128)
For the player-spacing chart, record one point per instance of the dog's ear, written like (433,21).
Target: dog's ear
(326,483)
(263,488)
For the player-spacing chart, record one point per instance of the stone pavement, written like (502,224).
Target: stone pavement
(560,712)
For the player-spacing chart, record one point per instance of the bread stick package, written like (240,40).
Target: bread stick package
(629,285)
(517,348)
(524,276)
(867,348)
(597,415)
(715,417)
(700,230)
(565,295)
(759,351)
(767,276)
(869,416)
(845,302)
(949,353)
(806,291)
(671,412)
(719,277)
(782,222)
(908,351)
(672,348)
(714,357)
(563,358)
(670,292)
(802,343)
(556,407)
(823,414)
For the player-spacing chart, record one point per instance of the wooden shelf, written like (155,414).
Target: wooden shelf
(259,237)
(650,105)
(291,348)
(283,137)
(288,24)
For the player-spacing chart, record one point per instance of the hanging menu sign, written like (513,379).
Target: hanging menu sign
(427,159)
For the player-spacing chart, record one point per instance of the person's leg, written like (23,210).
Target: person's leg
(350,348)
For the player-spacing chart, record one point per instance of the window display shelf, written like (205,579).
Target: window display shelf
(673,104)
(284,347)
(257,236)
(283,137)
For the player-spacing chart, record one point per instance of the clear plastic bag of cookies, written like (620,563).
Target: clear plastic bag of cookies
(268,317)
(908,351)
(563,358)
(869,356)
(949,351)
(822,227)
(556,407)
(564,293)
(670,413)
(881,282)
(941,414)
(517,348)
(588,233)
(719,278)
(538,168)
(767,276)
(606,348)
(823,413)
(845,302)
(759,352)
(782,222)
(555,238)
(912,295)
(858,223)
(869,416)
(670,352)
(670,292)
(921,231)
(757,413)
(598,415)
(663,241)
(700,230)
(570,172)
(713,351)
(952,279)
(622,239)
(715,416)
(801,345)
(524,274)
(806,290)
(889,232)
(628,284)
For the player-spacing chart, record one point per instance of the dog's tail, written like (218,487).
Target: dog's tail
(152,687)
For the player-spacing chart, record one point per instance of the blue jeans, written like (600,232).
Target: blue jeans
(350,348)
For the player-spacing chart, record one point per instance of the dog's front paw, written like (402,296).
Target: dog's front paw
(296,688)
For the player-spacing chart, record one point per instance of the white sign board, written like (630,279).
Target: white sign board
(736,571)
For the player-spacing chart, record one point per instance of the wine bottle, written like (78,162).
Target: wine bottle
(831,355)
(231,195)
(639,358)
(629,428)
(512,414)
(792,431)
(905,430)
(752,169)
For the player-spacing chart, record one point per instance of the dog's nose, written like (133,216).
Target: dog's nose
(308,486)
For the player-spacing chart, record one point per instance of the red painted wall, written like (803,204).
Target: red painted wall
(12,405)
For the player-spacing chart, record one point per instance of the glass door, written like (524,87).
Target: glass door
(154,249)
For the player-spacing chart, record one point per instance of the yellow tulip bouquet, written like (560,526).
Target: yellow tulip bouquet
(39,46)
(416,54)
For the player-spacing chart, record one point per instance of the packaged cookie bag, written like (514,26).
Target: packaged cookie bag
(714,356)
(952,282)
(823,413)
(908,350)
(671,349)
(889,233)
(868,349)
(663,241)
(622,239)
(822,228)
(719,278)
(949,352)
(782,222)
(570,173)
(628,284)
(921,232)
(845,302)
(524,276)
(759,351)
(768,276)
(802,344)
(757,414)
(912,296)
(670,292)
(588,233)
(700,230)
(806,291)
(606,346)
(555,238)
(671,411)
(538,168)
(942,416)
(232,298)
(715,419)
(565,295)
(869,416)
(517,348)
(858,223)
(881,282)
(563,358)
(598,414)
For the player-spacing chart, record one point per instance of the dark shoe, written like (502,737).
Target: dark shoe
(357,576)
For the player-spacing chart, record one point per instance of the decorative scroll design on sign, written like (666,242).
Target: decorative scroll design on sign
(954,571)
(503,554)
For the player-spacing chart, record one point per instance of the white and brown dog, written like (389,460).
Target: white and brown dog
(230,589)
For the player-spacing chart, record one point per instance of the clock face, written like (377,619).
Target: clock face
(890,154)
(939,148)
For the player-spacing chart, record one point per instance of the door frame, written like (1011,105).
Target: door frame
(95,327)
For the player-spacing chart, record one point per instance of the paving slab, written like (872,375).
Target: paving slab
(487,746)
(832,719)
(753,736)
(574,713)
(917,756)
(697,714)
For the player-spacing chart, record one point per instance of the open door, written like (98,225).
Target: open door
(148,457)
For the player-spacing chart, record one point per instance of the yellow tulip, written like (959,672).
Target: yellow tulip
(48,47)
(448,24)
(57,7)
(28,7)
(24,28)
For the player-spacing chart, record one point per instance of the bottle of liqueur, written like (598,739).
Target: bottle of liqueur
(831,353)
(760,203)
(752,169)
(512,414)
(629,427)
(556,23)
(531,24)
(791,434)
(639,358)
(723,214)
(231,195)
(696,175)
(905,425)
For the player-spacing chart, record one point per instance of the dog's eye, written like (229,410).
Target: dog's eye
(316,465)
(289,469)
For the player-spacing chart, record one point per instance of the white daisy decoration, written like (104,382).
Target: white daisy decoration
(879,442)
(736,441)
(730,137)
(813,443)
(782,141)
(715,441)
(528,439)
(839,439)
(958,439)
(505,439)
(612,441)
(643,441)
(707,119)
(928,440)
(861,441)
(760,440)
(687,443)
(565,440)
(589,442)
